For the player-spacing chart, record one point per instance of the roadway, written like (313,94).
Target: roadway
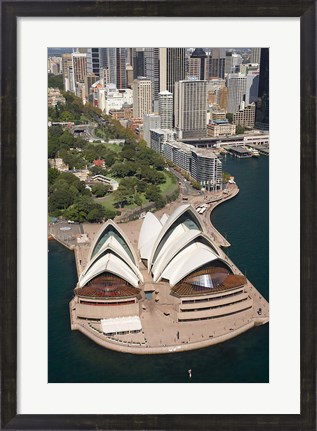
(185,186)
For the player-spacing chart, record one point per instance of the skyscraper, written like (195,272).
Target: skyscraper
(94,61)
(191,109)
(129,70)
(166,109)
(121,62)
(245,117)
(150,121)
(152,72)
(79,67)
(192,68)
(252,87)
(218,62)
(115,59)
(262,106)
(108,61)
(208,62)
(172,67)
(142,97)
(200,54)
(232,63)
(236,83)
(67,63)
(138,63)
(255,55)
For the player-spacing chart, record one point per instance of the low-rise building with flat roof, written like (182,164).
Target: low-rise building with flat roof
(245,117)
(220,128)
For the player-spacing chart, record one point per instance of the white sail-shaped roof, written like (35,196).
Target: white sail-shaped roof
(188,260)
(120,235)
(164,219)
(114,265)
(171,220)
(113,245)
(172,247)
(150,229)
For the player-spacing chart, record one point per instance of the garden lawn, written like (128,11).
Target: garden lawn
(107,202)
(169,186)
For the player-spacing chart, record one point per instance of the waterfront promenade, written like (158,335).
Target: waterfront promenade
(160,333)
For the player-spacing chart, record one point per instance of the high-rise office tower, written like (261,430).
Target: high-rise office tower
(191,109)
(129,70)
(200,54)
(208,63)
(89,60)
(236,84)
(245,117)
(94,60)
(121,62)
(217,93)
(152,72)
(104,57)
(252,87)
(192,68)
(115,60)
(150,121)
(262,105)
(228,63)
(142,97)
(232,63)
(130,56)
(218,62)
(166,109)
(111,64)
(90,79)
(172,67)
(255,55)
(67,62)
(79,67)
(105,76)
(138,63)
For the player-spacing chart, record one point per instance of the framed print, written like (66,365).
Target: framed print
(37,395)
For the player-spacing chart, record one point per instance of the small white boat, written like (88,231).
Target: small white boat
(254,152)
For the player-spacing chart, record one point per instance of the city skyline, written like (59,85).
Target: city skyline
(163,67)
(137,142)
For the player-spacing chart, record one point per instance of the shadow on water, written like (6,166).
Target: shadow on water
(73,358)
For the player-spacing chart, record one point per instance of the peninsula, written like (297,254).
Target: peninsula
(162,283)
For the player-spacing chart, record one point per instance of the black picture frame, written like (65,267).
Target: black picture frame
(10,10)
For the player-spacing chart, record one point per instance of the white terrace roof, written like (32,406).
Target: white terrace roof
(121,324)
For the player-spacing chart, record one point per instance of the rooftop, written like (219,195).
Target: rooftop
(107,285)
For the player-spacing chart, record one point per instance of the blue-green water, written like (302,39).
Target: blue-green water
(73,358)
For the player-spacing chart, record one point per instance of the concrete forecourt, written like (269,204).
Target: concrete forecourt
(161,284)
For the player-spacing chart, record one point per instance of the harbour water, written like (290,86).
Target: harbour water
(73,358)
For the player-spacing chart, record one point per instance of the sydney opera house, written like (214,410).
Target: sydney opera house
(178,280)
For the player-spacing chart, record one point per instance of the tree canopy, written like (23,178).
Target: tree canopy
(55,81)
(138,169)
